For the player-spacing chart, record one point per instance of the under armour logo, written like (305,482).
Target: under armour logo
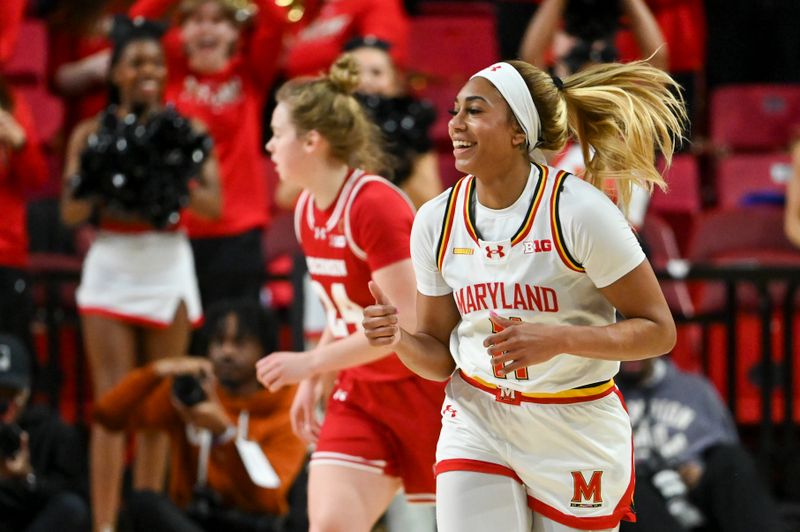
(320,233)
(492,252)
(340,395)
(449,410)
(496,67)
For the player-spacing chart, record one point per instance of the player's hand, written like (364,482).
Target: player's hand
(282,368)
(381,322)
(303,412)
(517,344)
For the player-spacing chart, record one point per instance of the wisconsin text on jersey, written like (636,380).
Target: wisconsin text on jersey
(499,295)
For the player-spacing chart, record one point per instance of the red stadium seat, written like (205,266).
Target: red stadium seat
(746,235)
(683,192)
(28,64)
(754,117)
(445,50)
(752,178)
(681,202)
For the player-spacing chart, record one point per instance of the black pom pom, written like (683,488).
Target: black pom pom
(142,165)
(405,123)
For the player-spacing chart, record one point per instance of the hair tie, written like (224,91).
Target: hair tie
(557,82)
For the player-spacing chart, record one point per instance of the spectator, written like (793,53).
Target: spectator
(11,13)
(220,70)
(233,412)
(22,167)
(329,25)
(683,24)
(589,40)
(138,296)
(691,469)
(79,55)
(588,34)
(41,471)
(404,120)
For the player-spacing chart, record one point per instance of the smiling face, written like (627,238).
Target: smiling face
(286,148)
(484,133)
(140,73)
(209,36)
(376,72)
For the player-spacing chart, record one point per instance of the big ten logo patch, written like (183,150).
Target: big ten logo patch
(587,494)
(339,395)
(536,246)
(449,411)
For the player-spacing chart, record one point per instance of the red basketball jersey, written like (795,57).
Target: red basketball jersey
(366,228)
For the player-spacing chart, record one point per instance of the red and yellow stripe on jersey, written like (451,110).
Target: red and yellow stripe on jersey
(447,222)
(527,223)
(558,235)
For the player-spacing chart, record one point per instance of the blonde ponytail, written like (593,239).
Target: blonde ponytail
(623,112)
(327,105)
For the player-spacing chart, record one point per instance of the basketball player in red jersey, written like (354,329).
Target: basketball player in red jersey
(382,421)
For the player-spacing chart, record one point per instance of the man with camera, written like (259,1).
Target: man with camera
(691,471)
(233,455)
(40,467)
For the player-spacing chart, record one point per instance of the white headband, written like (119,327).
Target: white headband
(515,91)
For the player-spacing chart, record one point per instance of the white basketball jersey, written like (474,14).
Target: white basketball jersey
(532,275)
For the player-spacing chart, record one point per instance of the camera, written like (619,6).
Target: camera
(10,439)
(188,390)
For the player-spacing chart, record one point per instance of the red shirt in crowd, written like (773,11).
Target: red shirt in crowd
(11,12)
(68,45)
(229,103)
(20,171)
(366,228)
(321,40)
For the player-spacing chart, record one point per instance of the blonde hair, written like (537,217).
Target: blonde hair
(624,112)
(327,105)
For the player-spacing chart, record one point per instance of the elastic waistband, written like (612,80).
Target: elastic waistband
(581,394)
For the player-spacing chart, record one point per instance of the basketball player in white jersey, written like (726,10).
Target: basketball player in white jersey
(520,268)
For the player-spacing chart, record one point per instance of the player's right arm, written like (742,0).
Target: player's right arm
(426,351)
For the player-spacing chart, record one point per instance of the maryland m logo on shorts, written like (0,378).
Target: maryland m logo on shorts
(586,494)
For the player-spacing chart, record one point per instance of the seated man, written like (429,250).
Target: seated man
(691,471)
(227,433)
(40,456)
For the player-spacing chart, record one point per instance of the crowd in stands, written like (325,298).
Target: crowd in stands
(169,323)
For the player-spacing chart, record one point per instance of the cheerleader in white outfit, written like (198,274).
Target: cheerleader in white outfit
(138,296)
(519,270)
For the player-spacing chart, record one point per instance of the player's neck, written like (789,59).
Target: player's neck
(501,187)
(327,183)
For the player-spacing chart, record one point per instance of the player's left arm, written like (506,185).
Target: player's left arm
(647,331)
(600,239)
